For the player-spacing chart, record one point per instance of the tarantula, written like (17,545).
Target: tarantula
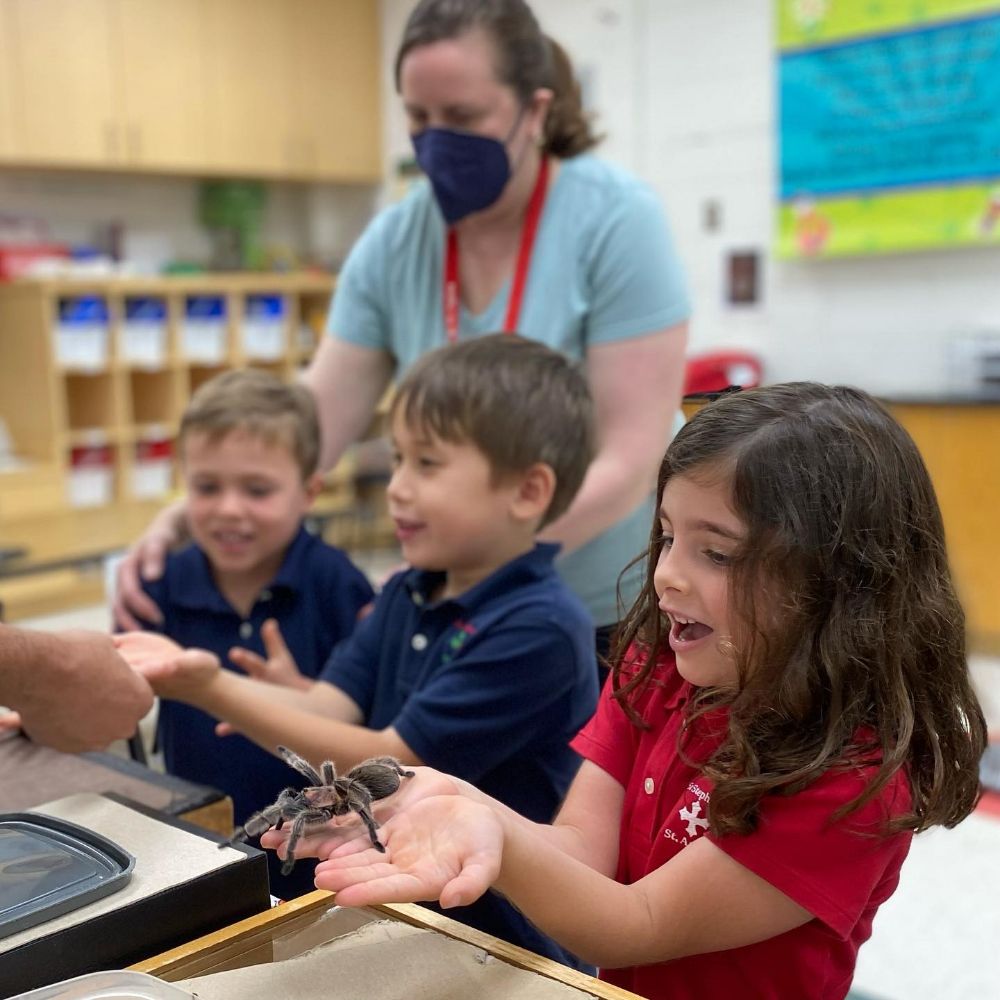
(327,796)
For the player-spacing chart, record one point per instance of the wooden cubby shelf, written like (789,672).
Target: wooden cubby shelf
(85,369)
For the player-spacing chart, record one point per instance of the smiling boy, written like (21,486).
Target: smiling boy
(248,448)
(478,660)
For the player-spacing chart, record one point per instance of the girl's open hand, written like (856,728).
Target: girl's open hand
(445,848)
(347,834)
(171,670)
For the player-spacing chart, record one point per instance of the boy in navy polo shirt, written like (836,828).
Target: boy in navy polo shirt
(478,660)
(249,445)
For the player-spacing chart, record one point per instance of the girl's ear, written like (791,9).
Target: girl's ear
(533,494)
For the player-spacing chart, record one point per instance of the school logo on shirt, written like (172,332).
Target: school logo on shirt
(457,639)
(691,819)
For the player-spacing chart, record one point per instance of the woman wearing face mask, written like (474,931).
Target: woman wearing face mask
(519,228)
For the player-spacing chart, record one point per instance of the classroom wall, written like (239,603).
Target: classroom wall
(685,94)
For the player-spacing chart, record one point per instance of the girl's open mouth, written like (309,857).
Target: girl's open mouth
(684,632)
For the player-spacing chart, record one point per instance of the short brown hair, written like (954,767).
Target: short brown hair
(258,402)
(518,401)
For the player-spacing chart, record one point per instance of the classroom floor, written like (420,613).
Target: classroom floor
(938,937)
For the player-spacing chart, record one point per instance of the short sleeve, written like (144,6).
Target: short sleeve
(609,738)
(834,869)
(358,313)
(510,690)
(346,592)
(636,282)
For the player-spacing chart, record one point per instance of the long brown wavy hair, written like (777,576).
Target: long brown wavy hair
(850,642)
(527,59)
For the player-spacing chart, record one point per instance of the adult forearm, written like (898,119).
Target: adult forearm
(612,489)
(347,382)
(26,660)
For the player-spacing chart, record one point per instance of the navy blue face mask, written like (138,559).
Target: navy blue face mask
(468,172)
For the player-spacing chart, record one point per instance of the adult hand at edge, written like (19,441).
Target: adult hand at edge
(79,694)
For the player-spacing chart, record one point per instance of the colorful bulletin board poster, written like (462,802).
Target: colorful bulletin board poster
(889,125)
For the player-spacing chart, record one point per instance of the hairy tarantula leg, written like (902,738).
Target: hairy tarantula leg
(369,822)
(255,825)
(300,764)
(289,863)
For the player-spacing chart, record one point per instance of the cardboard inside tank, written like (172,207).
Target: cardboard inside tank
(345,954)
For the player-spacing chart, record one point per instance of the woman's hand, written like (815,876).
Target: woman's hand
(171,670)
(339,833)
(144,561)
(445,848)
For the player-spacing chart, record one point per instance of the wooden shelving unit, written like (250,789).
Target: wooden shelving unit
(57,399)
(108,401)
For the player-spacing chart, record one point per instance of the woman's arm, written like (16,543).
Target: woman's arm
(636,385)
(347,381)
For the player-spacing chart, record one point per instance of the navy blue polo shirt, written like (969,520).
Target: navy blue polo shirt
(489,686)
(315,597)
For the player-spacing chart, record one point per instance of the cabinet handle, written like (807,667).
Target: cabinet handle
(111,139)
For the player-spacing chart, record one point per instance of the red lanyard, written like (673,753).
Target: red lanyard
(450,296)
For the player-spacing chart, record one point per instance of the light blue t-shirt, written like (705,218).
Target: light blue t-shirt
(603,268)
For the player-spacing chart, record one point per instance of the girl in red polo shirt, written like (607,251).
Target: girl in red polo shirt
(790,703)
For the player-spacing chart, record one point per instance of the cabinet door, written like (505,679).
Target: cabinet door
(337,60)
(249,76)
(163,81)
(6,85)
(65,108)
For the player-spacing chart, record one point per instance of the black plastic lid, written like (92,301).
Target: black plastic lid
(49,866)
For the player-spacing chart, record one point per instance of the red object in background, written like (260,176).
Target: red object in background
(718,370)
(153,450)
(91,456)
(16,259)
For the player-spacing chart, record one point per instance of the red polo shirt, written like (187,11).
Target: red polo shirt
(834,871)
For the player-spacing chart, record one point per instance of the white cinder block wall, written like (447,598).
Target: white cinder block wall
(685,93)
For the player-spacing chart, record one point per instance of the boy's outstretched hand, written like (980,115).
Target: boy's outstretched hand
(171,670)
(278,668)
(446,848)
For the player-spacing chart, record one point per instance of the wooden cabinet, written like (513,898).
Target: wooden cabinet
(6,77)
(63,84)
(337,87)
(92,399)
(163,85)
(262,88)
(250,92)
